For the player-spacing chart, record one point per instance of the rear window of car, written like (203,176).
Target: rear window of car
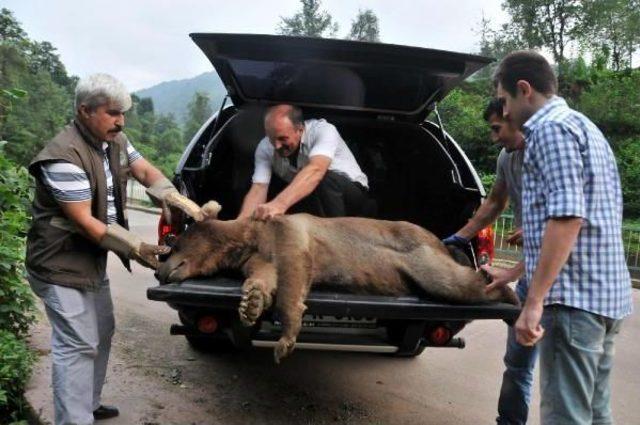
(383,88)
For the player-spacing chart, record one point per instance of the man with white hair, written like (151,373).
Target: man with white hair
(78,215)
(315,172)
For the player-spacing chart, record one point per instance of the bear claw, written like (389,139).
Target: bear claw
(251,305)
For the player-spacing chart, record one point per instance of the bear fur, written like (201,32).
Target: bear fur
(282,258)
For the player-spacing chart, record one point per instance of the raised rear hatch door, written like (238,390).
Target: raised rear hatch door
(386,80)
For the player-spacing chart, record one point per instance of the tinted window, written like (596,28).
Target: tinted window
(372,87)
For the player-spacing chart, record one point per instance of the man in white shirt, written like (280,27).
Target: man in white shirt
(312,165)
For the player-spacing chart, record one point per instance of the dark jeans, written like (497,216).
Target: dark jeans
(335,196)
(517,380)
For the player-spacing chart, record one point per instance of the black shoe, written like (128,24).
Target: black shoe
(105,412)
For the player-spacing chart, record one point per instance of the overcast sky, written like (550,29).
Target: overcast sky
(145,42)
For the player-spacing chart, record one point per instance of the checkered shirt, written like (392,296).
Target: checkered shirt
(569,171)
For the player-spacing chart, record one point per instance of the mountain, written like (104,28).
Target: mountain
(174,96)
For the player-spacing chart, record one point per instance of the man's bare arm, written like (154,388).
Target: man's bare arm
(256,196)
(501,277)
(304,182)
(80,214)
(162,192)
(143,171)
(488,212)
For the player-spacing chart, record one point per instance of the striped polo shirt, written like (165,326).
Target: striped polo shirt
(69,183)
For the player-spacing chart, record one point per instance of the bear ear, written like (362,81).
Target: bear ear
(211,209)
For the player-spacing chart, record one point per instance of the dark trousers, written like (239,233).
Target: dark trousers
(335,196)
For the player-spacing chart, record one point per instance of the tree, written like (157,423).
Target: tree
(145,105)
(10,29)
(365,27)
(46,103)
(461,112)
(157,137)
(612,27)
(42,58)
(43,112)
(165,122)
(497,44)
(199,111)
(613,103)
(545,23)
(310,21)
(35,68)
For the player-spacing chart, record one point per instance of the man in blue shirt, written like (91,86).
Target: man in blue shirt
(579,287)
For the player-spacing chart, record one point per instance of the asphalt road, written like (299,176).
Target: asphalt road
(155,378)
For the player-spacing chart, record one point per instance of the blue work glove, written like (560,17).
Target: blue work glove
(455,240)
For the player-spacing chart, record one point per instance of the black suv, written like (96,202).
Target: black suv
(379,97)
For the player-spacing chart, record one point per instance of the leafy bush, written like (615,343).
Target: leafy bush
(613,103)
(16,299)
(461,113)
(628,156)
(488,180)
(15,369)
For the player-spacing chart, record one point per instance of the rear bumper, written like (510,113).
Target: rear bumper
(225,293)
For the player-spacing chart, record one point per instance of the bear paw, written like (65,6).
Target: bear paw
(252,304)
(283,348)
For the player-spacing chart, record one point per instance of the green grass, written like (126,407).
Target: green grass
(631,223)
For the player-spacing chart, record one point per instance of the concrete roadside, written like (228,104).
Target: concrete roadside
(144,208)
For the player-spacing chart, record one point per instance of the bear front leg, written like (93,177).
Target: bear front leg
(293,287)
(257,290)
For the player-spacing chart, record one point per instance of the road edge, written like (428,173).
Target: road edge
(150,210)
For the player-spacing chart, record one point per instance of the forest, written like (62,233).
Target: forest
(591,42)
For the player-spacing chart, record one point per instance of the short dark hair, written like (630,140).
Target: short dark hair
(495,107)
(529,66)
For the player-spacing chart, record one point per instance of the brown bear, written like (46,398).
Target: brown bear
(283,257)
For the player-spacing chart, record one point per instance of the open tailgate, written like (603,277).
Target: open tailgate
(225,293)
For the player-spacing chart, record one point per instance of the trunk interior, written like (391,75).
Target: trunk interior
(409,166)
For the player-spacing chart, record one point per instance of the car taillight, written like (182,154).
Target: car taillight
(166,232)
(440,335)
(485,250)
(207,324)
